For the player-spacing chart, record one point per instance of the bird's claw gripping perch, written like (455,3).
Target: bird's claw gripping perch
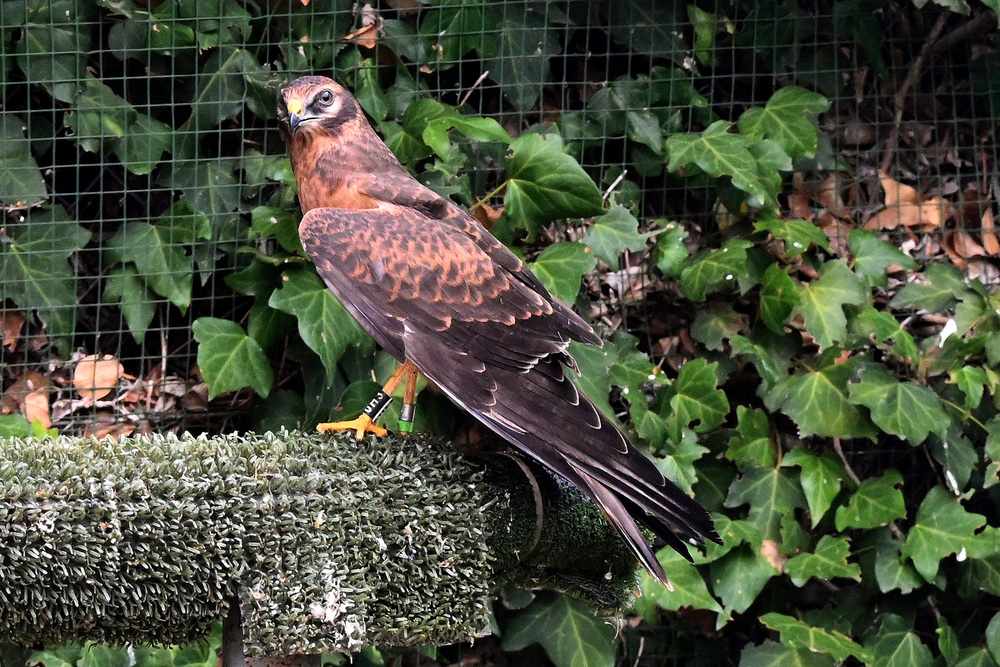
(366,422)
(360,426)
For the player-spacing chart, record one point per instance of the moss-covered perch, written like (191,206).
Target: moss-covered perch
(328,543)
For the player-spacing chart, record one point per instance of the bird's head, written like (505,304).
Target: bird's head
(315,103)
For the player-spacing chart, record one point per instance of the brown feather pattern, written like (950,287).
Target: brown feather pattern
(431,285)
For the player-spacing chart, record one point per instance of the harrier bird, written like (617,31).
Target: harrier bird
(436,290)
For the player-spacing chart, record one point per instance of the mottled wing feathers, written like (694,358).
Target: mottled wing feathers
(496,346)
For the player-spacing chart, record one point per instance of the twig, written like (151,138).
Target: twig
(468,93)
(980,24)
(837,447)
(908,83)
(621,177)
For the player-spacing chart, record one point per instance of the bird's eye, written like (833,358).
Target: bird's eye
(325,98)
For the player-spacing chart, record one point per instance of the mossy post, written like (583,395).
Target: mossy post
(327,543)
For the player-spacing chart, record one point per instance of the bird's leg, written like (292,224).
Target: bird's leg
(376,406)
(409,409)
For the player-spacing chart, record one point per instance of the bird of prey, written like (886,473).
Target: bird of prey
(436,290)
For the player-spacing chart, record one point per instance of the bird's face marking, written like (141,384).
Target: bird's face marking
(313,102)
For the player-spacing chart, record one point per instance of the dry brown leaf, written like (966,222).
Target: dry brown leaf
(14,396)
(36,406)
(956,259)
(928,216)
(95,377)
(800,207)
(107,426)
(828,196)
(990,242)
(964,245)
(486,214)
(769,550)
(11,323)
(897,193)
(366,36)
(836,231)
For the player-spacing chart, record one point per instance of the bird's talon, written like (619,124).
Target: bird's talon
(360,426)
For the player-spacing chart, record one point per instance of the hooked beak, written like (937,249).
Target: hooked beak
(295,117)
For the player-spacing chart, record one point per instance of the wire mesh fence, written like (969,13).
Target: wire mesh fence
(138,138)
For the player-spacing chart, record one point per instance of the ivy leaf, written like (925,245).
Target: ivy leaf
(947,641)
(773,654)
(630,368)
(282,225)
(520,64)
(678,465)
(798,235)
(436,133)
(877,502)
(821,302)
(881,325)
(219,92)
(873,256)
(992,451)
(821,478)
(158,252)
(942,528)
(892,571)
(623,108)
(738,578)
(957,456)
(144,144)
(689,588)
(993,637)
(545,184)
(971,380)
(266,325)
(906,409)
(771,355)
(828,561)
(54,56)
(15,426)
(771,493)
(942,287)
(324,325)
(713,327)
(710,268)
(778,298)
(612,234)
(799,634)
(23,183)
(771,160)
(34,271)
(451,32)
(229,359)
(593,380)
(818,401)
(138,305)
(900,649)
(566,628)
(210,187)
(670,251)
(751,446)
(719,153)
(561,266)
(695,397)
(785,119)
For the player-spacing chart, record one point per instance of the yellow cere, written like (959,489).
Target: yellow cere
(295,107)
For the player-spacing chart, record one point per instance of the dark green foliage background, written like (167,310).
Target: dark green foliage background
(850,459)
